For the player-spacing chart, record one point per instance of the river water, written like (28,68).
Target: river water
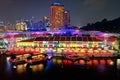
(62,69)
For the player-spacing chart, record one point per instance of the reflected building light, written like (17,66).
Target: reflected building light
(54,60)
(34,68)
(76,63)
(20,69)
(118,63)
(37,67)
(8,58)
(101,68)
(59,61)
(8,66)
(48,65)
(41,67)
(14,66)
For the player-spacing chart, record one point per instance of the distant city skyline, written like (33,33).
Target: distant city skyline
(82,11)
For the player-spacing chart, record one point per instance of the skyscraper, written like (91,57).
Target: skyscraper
(2,26)
(56,16)
(21,26)
(46,21)
(10,27)
(66,18)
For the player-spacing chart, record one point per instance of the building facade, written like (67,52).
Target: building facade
(91,46)
(56,16)
(21,26)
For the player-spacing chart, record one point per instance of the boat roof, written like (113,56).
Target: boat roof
(69,38)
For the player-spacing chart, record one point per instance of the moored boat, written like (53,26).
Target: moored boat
(75,57)
(18,58)
(36,58)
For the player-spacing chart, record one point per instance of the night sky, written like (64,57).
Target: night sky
(82,11)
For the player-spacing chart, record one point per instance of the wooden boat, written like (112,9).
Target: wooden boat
(36,58)
(75,57)
(16,59)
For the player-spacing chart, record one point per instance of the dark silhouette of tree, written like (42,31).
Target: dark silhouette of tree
(104,26)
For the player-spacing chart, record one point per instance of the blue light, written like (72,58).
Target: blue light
(48,65)
(8,67)
(57,3)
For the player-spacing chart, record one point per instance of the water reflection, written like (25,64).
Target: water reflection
(8,64)
(49,65)
(118,64)
(37,67)
(99,64)
(21,68)
(101,68)
(92,62)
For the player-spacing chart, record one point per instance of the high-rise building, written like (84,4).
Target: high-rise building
(39,25)
(10,27)
(2,26)
(56,16)
(21,26)
(28,24)
(46,21)
(66,18)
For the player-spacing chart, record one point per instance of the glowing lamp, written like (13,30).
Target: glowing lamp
(82,50)
(36,49)
(32,50)
(96,51)
(27,49)
(16,49)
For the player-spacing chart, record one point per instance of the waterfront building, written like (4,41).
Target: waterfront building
(56,16)
(64,41)
(71,44)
